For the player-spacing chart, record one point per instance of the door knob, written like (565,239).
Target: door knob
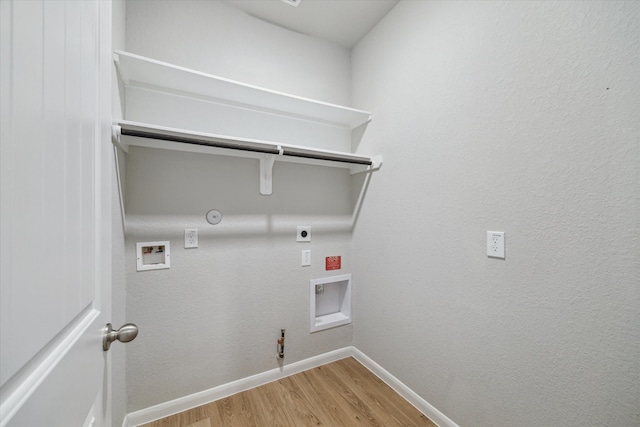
(126,333)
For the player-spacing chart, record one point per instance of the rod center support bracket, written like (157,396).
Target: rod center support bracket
(266,172)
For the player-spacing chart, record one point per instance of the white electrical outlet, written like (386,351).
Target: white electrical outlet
(306,258)
(190,238)
(495,244)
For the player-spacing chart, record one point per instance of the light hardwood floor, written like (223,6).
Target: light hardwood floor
(342,393)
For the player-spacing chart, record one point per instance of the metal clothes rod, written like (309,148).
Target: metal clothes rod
(327,157)
(237,146)
(196,141)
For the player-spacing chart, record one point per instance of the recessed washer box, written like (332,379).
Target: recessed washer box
(330,302)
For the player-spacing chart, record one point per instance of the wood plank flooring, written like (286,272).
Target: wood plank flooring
(339,394)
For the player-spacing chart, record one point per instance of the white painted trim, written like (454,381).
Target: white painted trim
(21,387)
(162,410)
(410,396)
(136,70)
(172,407)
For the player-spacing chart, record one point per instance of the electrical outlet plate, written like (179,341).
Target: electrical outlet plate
(304,233)
(190,238)
(495,244)
(306,258)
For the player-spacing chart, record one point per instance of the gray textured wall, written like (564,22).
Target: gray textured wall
(215,316)
(513,116)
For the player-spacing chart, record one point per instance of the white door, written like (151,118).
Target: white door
(55,213)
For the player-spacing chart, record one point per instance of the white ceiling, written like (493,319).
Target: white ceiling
(344,22)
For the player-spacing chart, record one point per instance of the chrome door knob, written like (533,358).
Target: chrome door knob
(126,333)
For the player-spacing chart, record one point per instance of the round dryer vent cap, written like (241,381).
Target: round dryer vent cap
(214,217)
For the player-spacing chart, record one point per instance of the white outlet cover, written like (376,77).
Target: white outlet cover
(306,258)
(495,244)
(190,238)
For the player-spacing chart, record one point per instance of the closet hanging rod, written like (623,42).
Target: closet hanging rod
(197,141)
(135,130)
(329,158)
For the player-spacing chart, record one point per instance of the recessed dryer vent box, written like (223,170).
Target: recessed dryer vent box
(330,302)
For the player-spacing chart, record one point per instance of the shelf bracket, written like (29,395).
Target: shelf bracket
(376,164)
(126,133)
(266,172)
(116,138)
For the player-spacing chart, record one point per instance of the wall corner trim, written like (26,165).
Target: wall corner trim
(166,409)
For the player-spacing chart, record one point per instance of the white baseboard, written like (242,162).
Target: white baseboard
(162,410)
(410,396)
(166,409)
